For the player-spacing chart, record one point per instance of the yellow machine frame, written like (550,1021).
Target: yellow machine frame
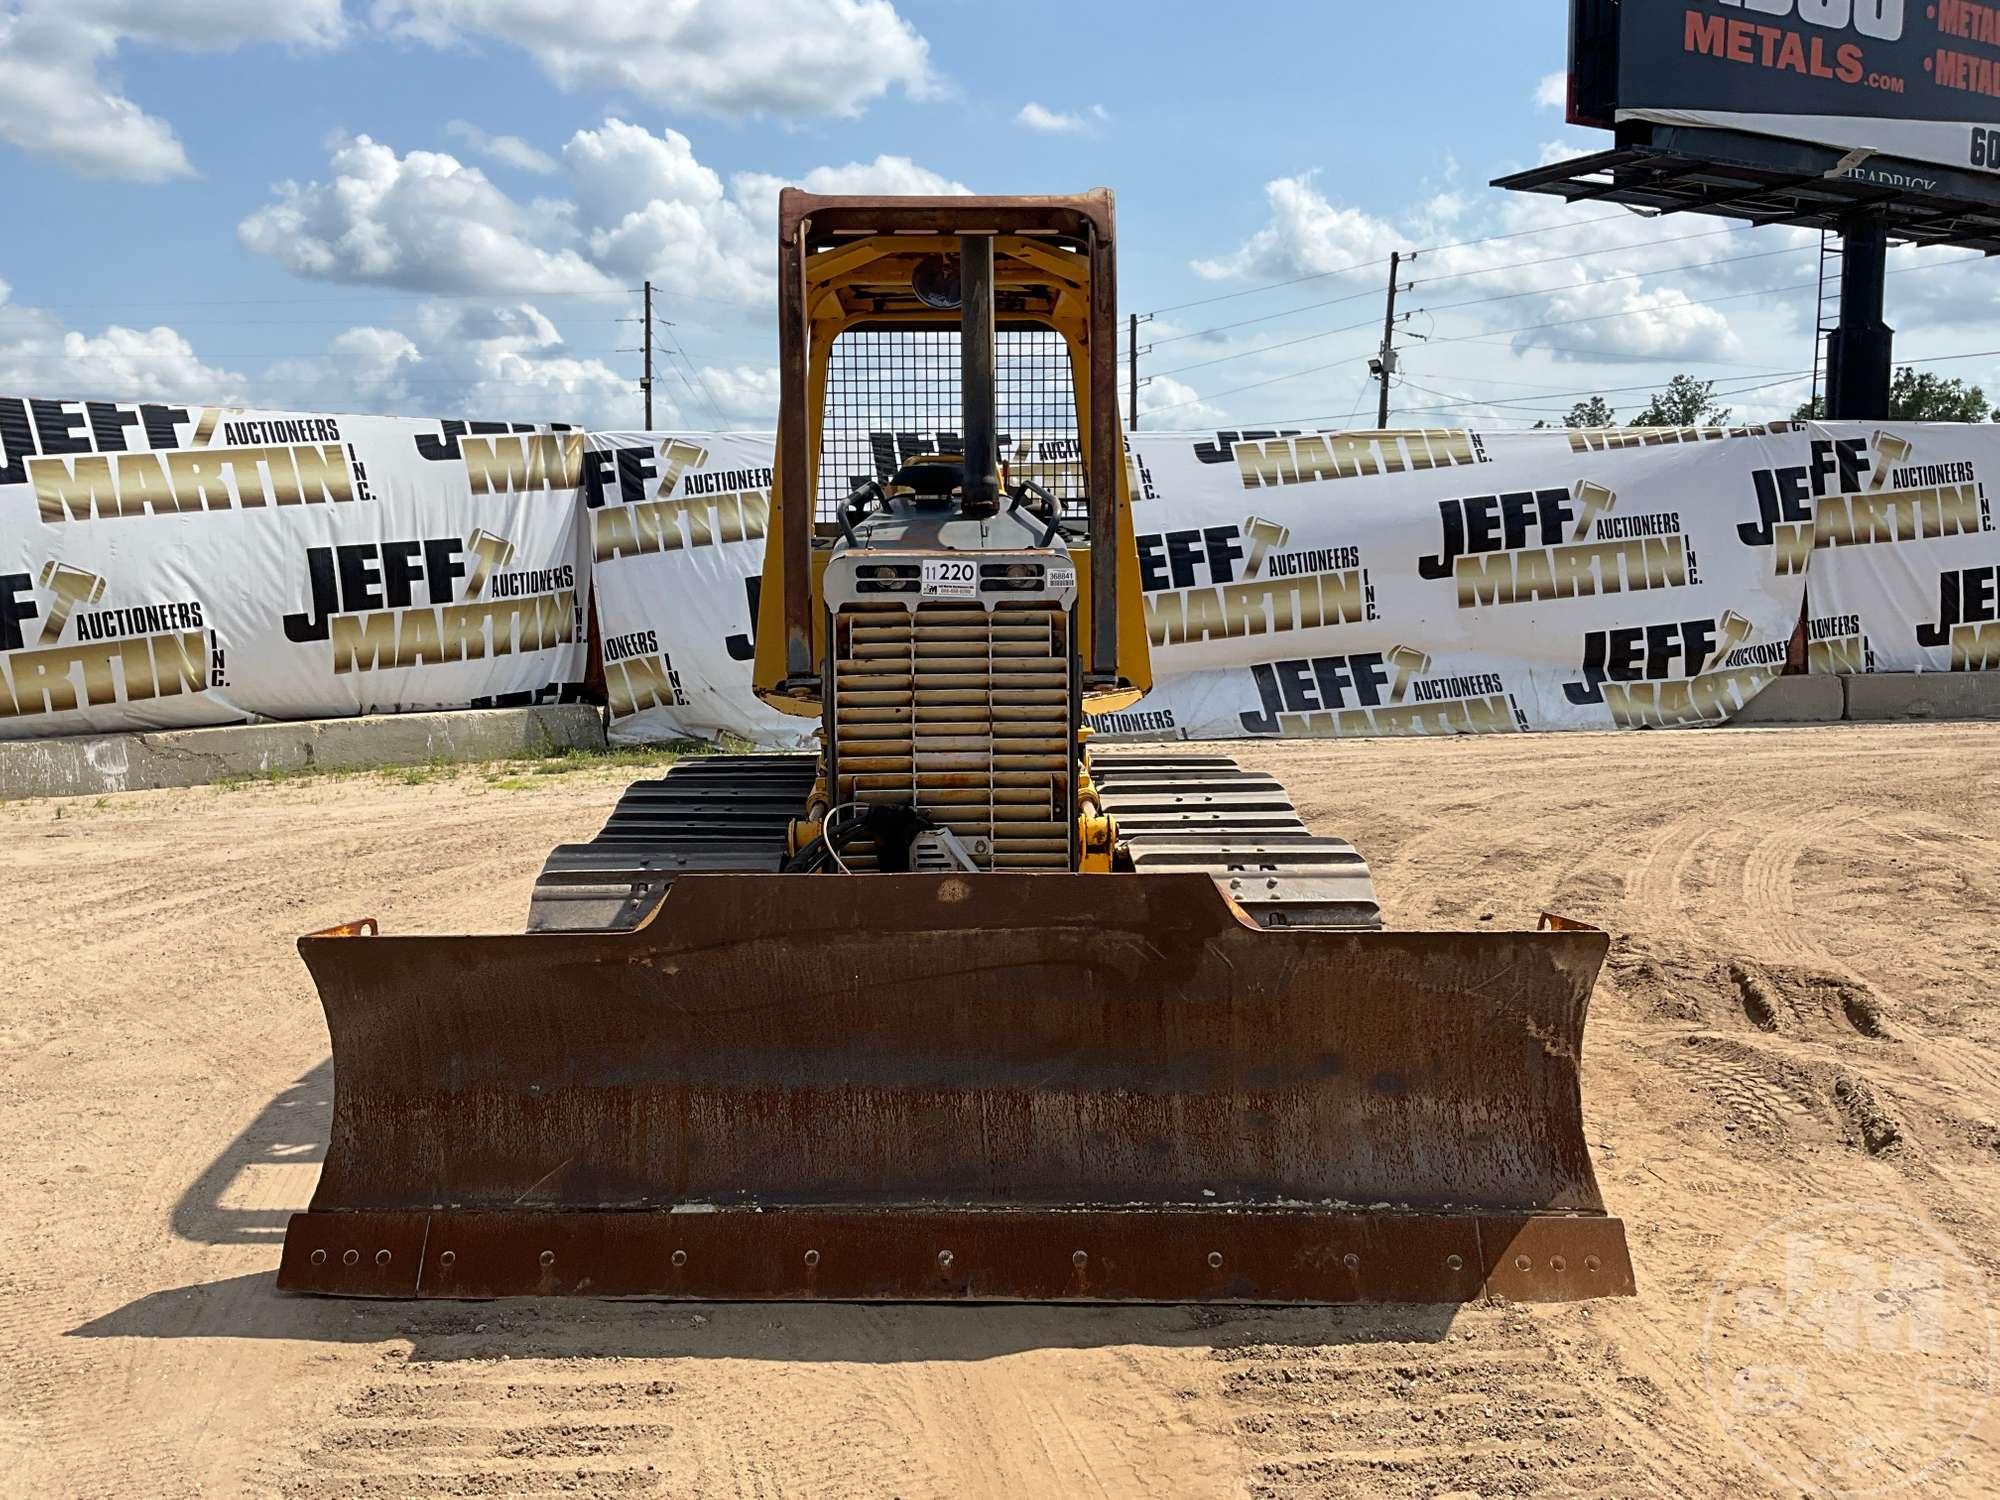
(1054,270)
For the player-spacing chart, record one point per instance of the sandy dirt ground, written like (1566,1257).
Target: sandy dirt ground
(1798,1027)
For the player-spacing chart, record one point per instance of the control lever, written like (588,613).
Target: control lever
(1044,505)
(855,507)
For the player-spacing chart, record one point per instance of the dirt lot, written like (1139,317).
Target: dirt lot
(1799,1013)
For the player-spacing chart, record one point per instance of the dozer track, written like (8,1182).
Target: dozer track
(709,814)
(1189,814)
(1205,814)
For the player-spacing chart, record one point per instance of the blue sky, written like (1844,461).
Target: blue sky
(437,206)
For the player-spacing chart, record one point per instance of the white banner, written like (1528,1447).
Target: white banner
(1428,581)
(164,566)
(1904,565)
(1443,581)
(676,526)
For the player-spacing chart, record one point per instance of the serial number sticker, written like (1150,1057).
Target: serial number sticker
(949,578)
(1061,578)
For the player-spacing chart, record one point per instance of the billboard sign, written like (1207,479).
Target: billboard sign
(1917,80)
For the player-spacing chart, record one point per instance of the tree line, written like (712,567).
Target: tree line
(1687,402)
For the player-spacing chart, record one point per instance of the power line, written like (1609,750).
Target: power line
(1198,399)
(1655,359)
(1558,410)
(1272,286)
(1490,333)
(398,296)
(1520,234)
(395,323)
(1488,239)
(1633,312)
(1263,349)
(401,297)
(1571,286)
(123,356)
(1290,312)
(1550,260)
(686,365)
(1483,333)
(1789,378)
(1679,266)
(1527,402)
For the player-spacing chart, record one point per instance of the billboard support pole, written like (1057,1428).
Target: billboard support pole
(1859,355)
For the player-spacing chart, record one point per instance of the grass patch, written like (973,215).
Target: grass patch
(526,775)
(436,770)
(235,781)
(516,774)
(621,757)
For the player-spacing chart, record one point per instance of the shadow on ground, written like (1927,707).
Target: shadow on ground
(290,1131)
(550,1328)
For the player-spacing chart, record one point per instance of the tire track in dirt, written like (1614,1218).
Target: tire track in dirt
(1772,920)
(143,1066)
(186,988)
(1398,1411)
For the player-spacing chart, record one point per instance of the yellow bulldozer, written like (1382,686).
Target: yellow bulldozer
(956,1007)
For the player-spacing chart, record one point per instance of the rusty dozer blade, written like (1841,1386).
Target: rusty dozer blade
(934,1087)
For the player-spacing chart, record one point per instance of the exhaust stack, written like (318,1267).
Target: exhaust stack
(977,402)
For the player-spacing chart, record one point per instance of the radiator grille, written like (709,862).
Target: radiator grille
(964,713)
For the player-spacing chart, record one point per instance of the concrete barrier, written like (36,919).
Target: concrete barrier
(1888,696)
(90,764)
(1796,700)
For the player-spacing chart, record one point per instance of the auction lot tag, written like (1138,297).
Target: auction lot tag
(950,578)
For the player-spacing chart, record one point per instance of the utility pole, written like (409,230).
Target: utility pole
(1385,365)
(646,380)
(1132,360)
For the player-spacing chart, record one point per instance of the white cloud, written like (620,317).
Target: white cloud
(54,103)
(793,59)
(210,25)
(58,100)
(641,206)
(509,362)
(1307,234)
(735,58)
(508,150)
(1522,297)
(1553,91)
(501,361)
(757,192)
(645,207)
(423,221)
(38,354)
(1625,318)
(1058,122)
(1170,405)
(505,361)
(885,174)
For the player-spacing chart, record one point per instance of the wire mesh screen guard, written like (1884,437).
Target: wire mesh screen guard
(894,394)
